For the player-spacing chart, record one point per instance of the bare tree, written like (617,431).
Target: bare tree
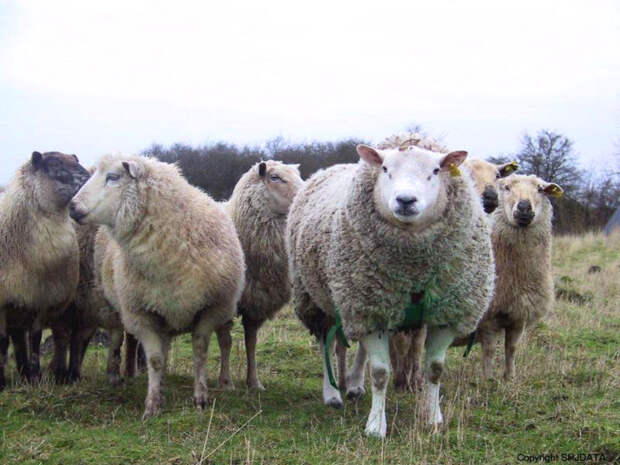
(550,156)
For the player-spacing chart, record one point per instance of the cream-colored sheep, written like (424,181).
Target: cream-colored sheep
(369,239)
(258,206)
(521,240)
(173,265)
(38,249)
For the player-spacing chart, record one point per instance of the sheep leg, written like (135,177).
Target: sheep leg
(131,347)
(488,339)
(200,340)
(416,354)
(113,372)
(355,377)
(378,347)
(79,342)
(437,342)
(224,340)
(341,354)
(34,365)
(4,346)
(331,395)
(513,334)
(20,347)
(155,348)
(399,348)
(250,330)
(140,359)
(62,336)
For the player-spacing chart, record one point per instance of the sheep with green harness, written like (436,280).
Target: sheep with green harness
(366,241)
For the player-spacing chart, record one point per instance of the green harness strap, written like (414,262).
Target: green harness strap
(414,318)
(470,343)
(336,329)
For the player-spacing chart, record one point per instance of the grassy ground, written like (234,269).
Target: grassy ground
(565,399)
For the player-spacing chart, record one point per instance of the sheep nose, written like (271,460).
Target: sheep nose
(406,200)
(489,199)
(490,193)
(74,212)
(524,207)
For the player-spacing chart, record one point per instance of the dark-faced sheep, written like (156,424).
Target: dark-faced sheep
(38,253)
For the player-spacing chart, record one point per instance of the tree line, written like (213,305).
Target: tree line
(588,203)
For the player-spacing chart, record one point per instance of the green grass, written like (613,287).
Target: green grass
(565,399)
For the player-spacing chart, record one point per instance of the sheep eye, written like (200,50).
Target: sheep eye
(497,176)
(436,171)
(275,177)
(384,169)
(112,177)
(507,188)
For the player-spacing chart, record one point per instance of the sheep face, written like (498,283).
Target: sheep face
(281,183)
(485,176)
(100,200)
(410,185)
(58,178)
(524,199)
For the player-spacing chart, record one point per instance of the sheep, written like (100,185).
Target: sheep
(258,207)
(485,175)
(38,254)
(521,238)
(366,240)
(173,265)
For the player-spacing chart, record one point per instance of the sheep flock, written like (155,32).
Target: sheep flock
(413,249)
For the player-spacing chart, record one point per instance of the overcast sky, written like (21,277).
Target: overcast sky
(115,76)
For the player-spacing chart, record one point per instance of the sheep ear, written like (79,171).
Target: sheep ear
(75,158)
(508,168)
(552,190)
(369,155)
(453,159)
(262,169)
(36,160)
(133,169)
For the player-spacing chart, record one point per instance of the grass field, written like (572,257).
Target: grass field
(564,400)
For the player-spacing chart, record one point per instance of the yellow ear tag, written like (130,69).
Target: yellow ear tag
(556,191)
(454,170)
(512,166)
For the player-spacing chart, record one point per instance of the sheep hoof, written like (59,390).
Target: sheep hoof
(225,385)
(201,401)
(356,393)
(399,386)
(334,402)
(256,386)
(152,407)
(61,375)
(114,379)
(376,427)
(435,419)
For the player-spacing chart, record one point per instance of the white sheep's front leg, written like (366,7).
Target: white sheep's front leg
(331,395)
(200,339)
(437,342)
(355,377)
(155,346)
(378,347)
